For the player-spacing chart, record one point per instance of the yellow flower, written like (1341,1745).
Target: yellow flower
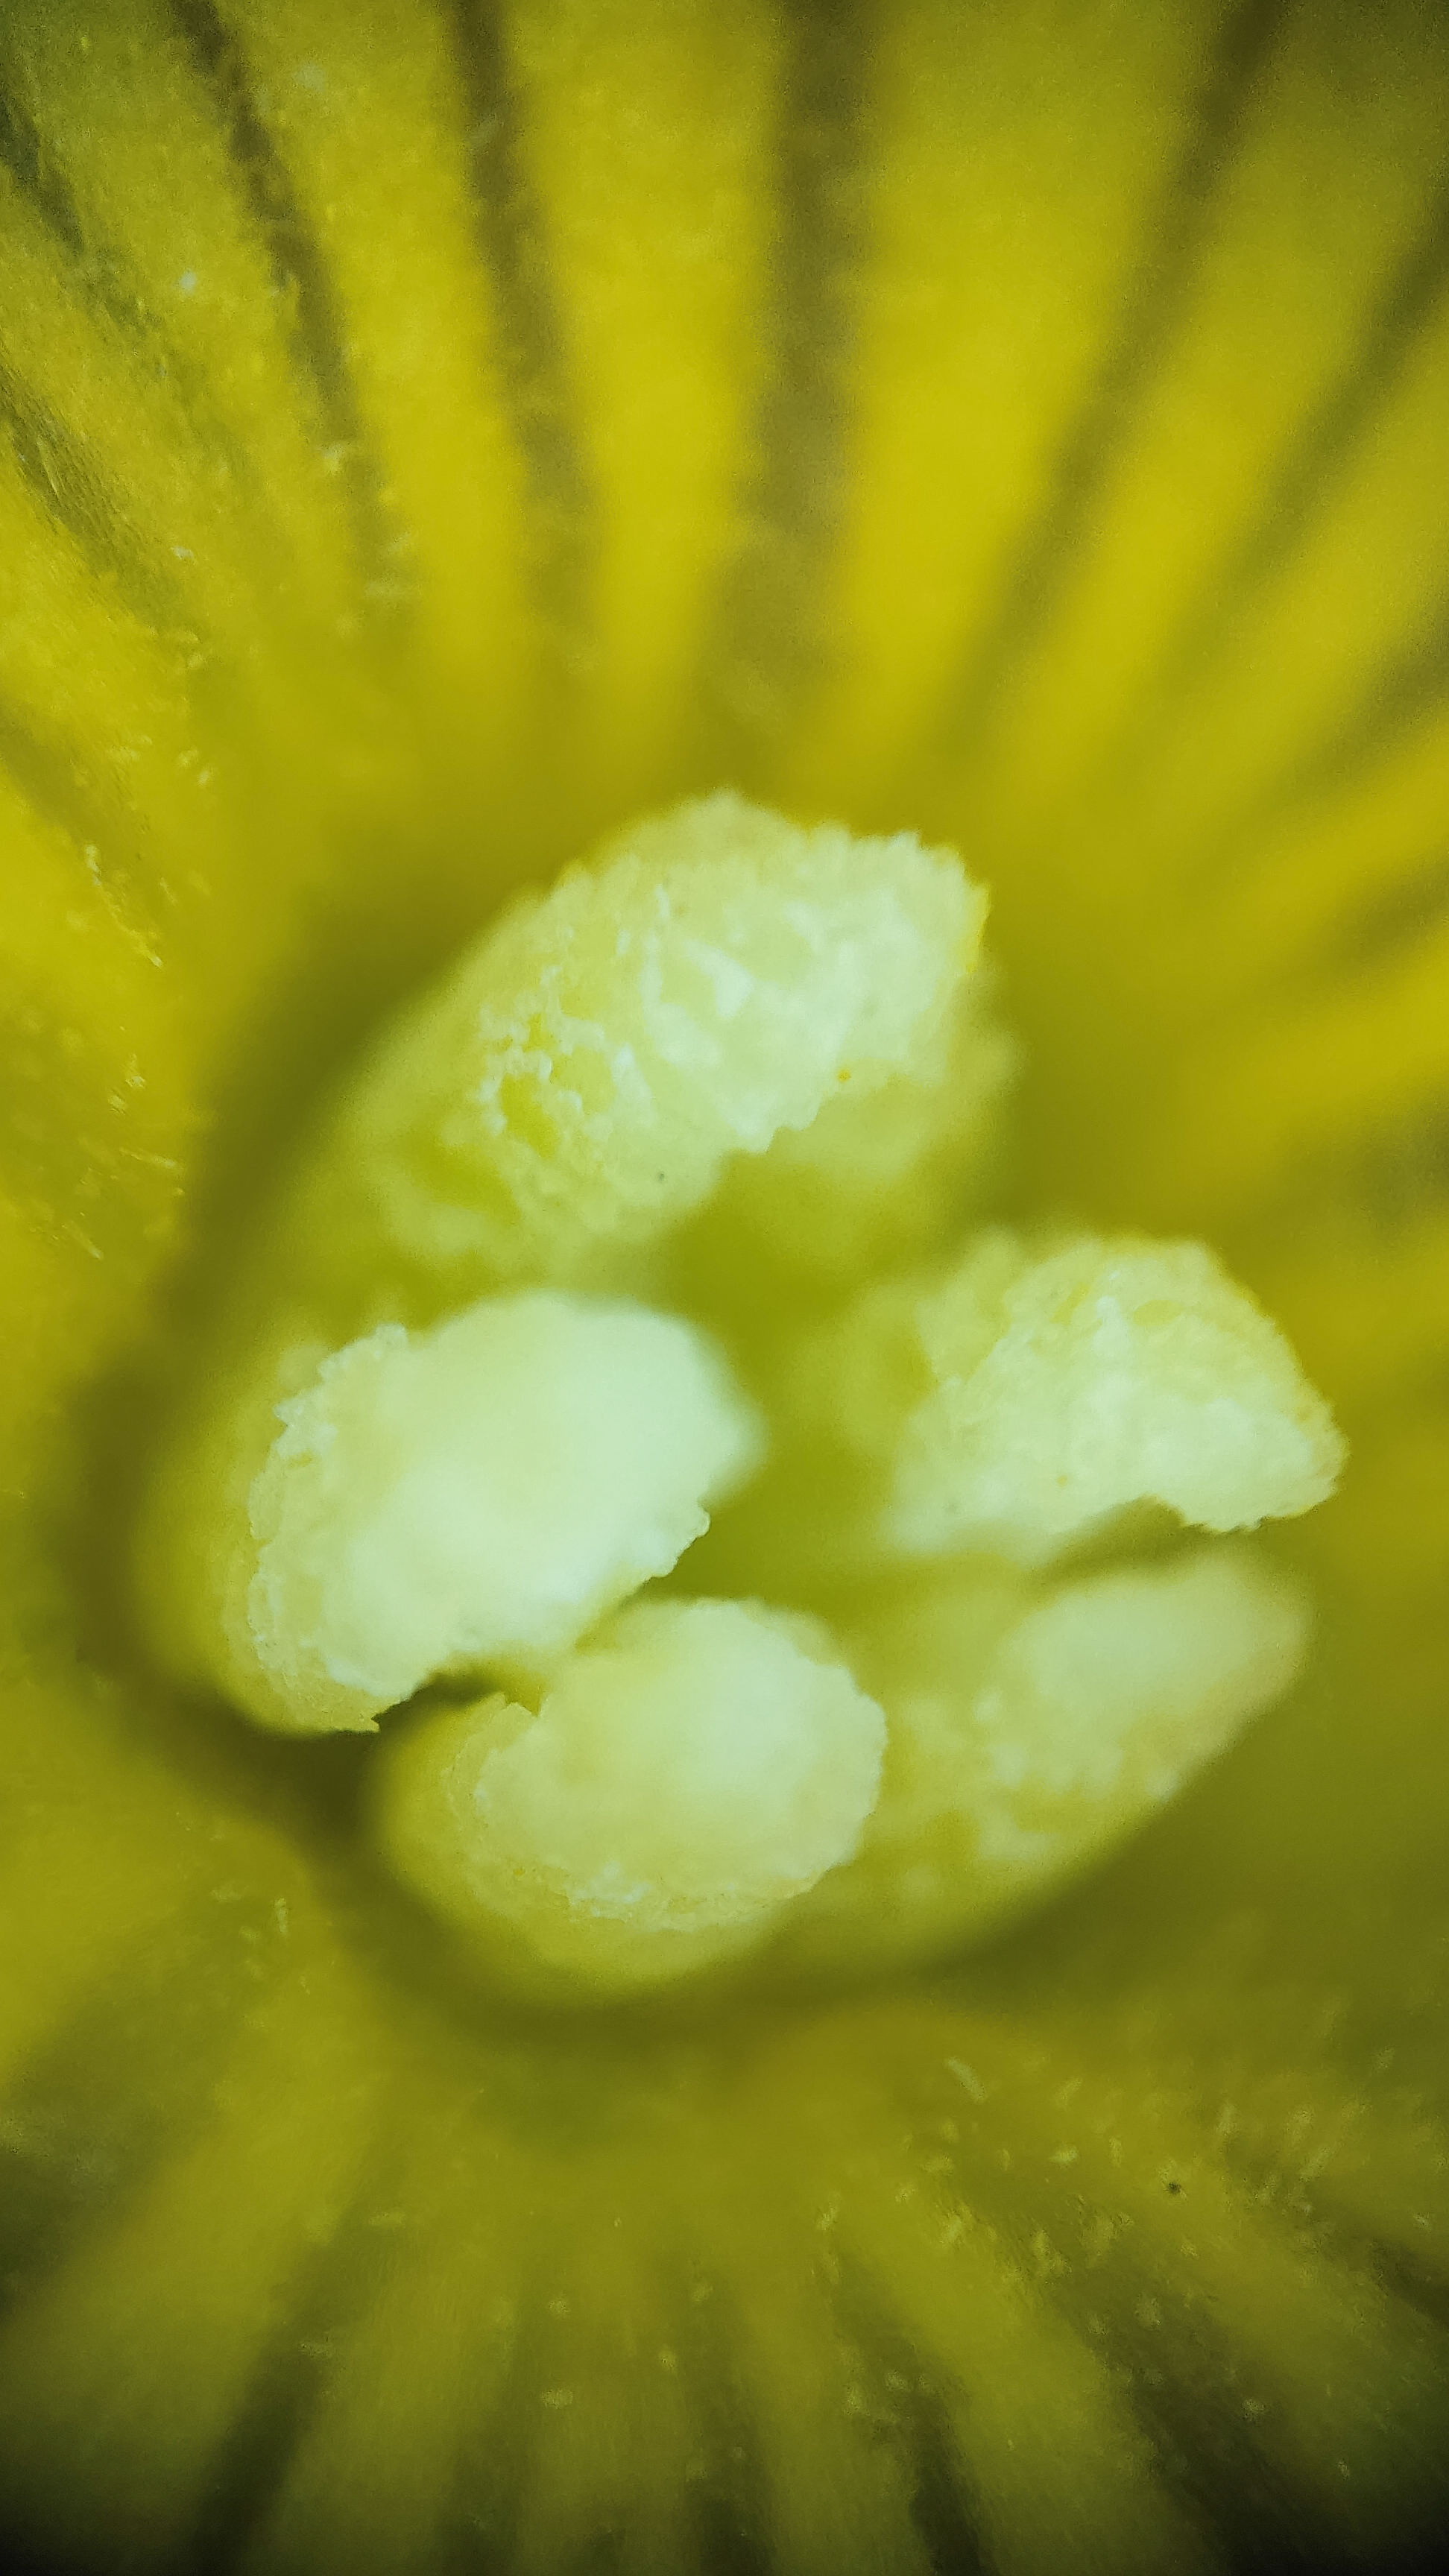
(433,429)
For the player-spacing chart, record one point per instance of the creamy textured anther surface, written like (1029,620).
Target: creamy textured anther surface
(479,1495)
(1031,1728)
(577,1084)
(1015,1401)
(696,1767)
(746,1069)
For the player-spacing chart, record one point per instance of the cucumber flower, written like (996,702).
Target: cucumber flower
(723,1780)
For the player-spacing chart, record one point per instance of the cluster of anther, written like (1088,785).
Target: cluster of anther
(660,1208)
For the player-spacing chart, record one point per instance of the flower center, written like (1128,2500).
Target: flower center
(665,1205)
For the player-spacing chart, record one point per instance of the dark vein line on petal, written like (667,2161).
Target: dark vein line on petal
(1412,687)
(725,2535)
(1403,2272)
(303,278)
(768,639)
(537,379)
(46,775)
(729,2502)
(326,2299)
(1322,450)
(1150,315)
(38,177)
(1183,2388)
(1260,2523)
(74,491)
(108,2097)
(1179,2373)
(1396,1175)
(1409,690)
(59,1145)
(99,269)
(485,2513)
(102,272)
(1397,915)
(1412,2284)
(945,2514)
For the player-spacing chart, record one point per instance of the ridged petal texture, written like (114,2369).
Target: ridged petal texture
(432,432)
